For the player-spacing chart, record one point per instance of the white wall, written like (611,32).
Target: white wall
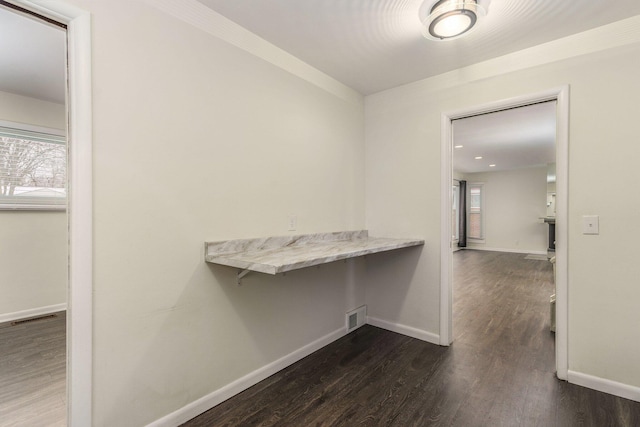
(403,182)
(514,202)
(33,245)
(195,140)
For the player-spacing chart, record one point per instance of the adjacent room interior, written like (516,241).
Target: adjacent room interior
(33,221)
(504,192)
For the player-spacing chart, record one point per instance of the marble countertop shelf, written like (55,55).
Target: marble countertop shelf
(273,255)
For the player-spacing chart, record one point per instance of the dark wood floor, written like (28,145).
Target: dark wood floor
(498,372)
(33,373)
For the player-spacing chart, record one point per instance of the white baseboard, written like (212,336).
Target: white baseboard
(405,330)
(207,402)
(32,312)
(607,386)
(513,251)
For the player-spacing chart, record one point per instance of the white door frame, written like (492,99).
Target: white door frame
(79,208)
(561,95)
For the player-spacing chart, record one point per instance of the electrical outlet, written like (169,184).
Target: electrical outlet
(590,224)
(293,223)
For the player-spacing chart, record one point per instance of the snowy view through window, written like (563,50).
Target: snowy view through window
(32,171)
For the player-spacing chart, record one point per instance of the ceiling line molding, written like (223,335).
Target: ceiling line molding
(617,34)
(215,24)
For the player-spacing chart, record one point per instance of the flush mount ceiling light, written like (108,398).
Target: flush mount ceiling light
(449,19)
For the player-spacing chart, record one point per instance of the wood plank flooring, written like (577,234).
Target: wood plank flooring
(33,373)
(498,372)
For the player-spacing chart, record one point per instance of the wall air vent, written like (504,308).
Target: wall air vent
(356,318)
(33,319)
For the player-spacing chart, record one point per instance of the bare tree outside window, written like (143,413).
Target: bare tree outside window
(32,171)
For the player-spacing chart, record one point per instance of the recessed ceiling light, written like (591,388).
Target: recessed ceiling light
(478,157)
(458,146)
(492,166)
(448,19)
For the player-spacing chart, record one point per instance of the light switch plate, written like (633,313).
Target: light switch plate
(292,223)
(590,224)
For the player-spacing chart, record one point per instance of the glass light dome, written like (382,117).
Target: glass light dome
(449,19)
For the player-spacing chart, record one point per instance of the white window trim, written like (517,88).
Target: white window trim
(483,214)
(455,237)
(12,205)
(32,128)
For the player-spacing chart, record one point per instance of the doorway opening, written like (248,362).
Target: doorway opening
(79,319)
(33,218)
(560,96)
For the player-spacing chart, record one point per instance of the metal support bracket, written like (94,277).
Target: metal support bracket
(241,274)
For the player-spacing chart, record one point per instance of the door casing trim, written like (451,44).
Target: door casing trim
(80,201)
(561,96)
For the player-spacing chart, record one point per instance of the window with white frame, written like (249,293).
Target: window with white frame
(455,212)
(33,168)
(476,212)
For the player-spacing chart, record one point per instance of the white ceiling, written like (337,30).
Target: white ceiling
(373,45)
(369,45)
(510,139)
(32,57)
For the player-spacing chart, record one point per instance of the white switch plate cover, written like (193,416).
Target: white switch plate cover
(590,224)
